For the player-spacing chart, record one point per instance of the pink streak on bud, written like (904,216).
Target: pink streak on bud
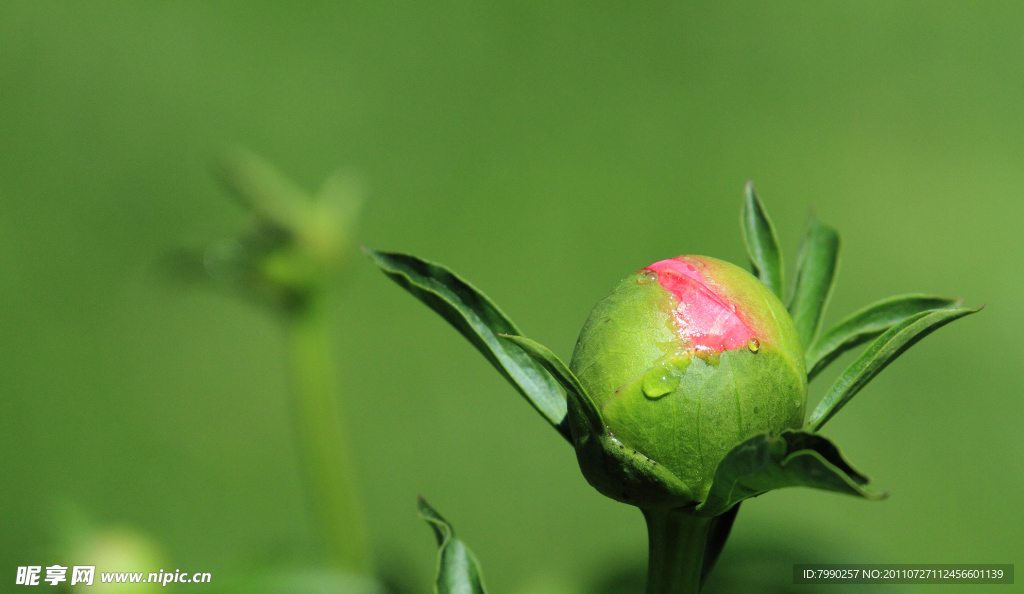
(706,321)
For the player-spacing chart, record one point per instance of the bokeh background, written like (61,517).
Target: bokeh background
(543,150)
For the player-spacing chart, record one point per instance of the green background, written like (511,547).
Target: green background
(543,150)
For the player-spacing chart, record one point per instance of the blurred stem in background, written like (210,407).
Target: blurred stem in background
(290,259)
(321,435)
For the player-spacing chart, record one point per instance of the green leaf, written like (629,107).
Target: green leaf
(458,571)
(865,324)
(816,265)
(792,459)
(543,355)
(480,321)
(762,243)
(883,351)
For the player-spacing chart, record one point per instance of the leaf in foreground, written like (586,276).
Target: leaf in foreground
(550,361)
(762,243)
(458,571)
(883,351)
(816,266)
(479,320)
(792,459)
(865,324)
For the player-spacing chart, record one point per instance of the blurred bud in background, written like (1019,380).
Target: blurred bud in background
(296,243)
(111,548)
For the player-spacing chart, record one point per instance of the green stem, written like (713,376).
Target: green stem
(676,541)
(326,461)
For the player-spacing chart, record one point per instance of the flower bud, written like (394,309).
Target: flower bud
(684,360)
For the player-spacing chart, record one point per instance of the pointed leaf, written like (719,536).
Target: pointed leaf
(792,459)
(880,354)
(816,266)
(865,324)
(543,355)
(458,571)
(762,243)
(480,321)
(718,533)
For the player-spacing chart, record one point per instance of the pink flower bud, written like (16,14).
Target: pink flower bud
(685,359)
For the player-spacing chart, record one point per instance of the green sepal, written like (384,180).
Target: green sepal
(762,243)
(478,319)
(560,371)
(718,534)
(883,351)
(627,475)
(458,571)
(816,266)
(792,459)
(865,324)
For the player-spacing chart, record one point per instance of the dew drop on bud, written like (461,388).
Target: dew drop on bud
(647,277)
(754,345)
(660,380)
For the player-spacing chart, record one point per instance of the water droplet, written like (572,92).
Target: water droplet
(661,379)
(647,277)
(754,345)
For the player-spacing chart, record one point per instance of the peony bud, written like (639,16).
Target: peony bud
(684,360)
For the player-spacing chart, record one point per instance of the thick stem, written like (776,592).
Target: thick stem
(325,457)
(676,541)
